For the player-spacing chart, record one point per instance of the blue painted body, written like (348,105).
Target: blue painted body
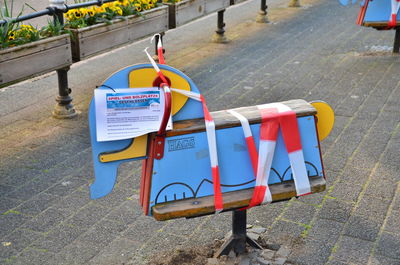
(185,169)
(106,173)
(378,11)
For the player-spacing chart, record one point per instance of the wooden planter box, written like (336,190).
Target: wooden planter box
(34,58)
(102,37)
(188,10)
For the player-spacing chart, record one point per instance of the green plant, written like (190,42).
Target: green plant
(12,33)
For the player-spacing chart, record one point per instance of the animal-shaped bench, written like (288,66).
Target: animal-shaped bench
(176,174)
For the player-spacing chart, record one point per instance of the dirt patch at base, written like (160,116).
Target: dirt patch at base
(186,256)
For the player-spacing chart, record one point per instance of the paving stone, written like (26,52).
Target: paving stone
(29,189)
(74,201)
(353,250)
(11,221)
(67,185)
(346,191)
(283,232)
(381,188)
(120,251)
(354,175)
(126,213)
(46,220)
(376,209)
(299,212)
(8,204)
(34,256)
(58,238)
(310,252)
(264,215)
(381,260)
(77,253)
(144,227)
(20,239)
(388,245)
(313,199)
(393,222)
(37,204)
(336,210)
(89,215)
(324,229)
(102,233)
(362,227)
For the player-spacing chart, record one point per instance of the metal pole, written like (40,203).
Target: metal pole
(219,35)
(239,219)
(396,44)
(64,108)
(262,14)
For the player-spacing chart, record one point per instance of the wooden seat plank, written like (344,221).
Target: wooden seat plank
(194,207)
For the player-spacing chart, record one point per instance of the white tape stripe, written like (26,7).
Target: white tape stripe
(265,157)
(395,7)
(212,143)
(299,172)
(279,106)
(153,63)
(243,121)
(189,94)
(267,196)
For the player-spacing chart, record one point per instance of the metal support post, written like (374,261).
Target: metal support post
(219,35)
(64,108)
(294,3)
(396,44)
(262,14)
(237,241)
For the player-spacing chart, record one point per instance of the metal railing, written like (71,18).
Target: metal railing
(57,8)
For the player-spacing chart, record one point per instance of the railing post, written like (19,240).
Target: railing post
(219,35)
(64,108)
(396,44)
(262,14)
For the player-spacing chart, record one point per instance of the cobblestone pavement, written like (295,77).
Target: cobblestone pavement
(315,52)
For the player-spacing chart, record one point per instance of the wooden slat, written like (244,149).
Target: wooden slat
(33,47)
(188,10)
(232,200)
(44,59)
(215,5)
(223,119)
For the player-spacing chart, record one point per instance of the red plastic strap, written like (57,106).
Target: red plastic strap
(160,52)
(290,131)
(217,189)
(218,201)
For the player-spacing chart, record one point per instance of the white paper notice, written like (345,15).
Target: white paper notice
(128,112)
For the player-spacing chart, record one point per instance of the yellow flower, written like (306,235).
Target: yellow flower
(91,12)
(138,7)
(100,9)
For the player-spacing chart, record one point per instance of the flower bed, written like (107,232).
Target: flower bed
(92,40)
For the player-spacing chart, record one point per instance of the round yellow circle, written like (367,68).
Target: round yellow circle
(325,118)
(145,77)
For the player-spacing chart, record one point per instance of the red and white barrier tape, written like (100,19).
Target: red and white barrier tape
(211,137)
(275,115)
(395,5)
(160,49)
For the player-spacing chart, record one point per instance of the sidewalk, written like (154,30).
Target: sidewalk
(316,53)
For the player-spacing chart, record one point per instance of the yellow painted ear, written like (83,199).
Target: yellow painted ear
(145,77)
(325,118)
